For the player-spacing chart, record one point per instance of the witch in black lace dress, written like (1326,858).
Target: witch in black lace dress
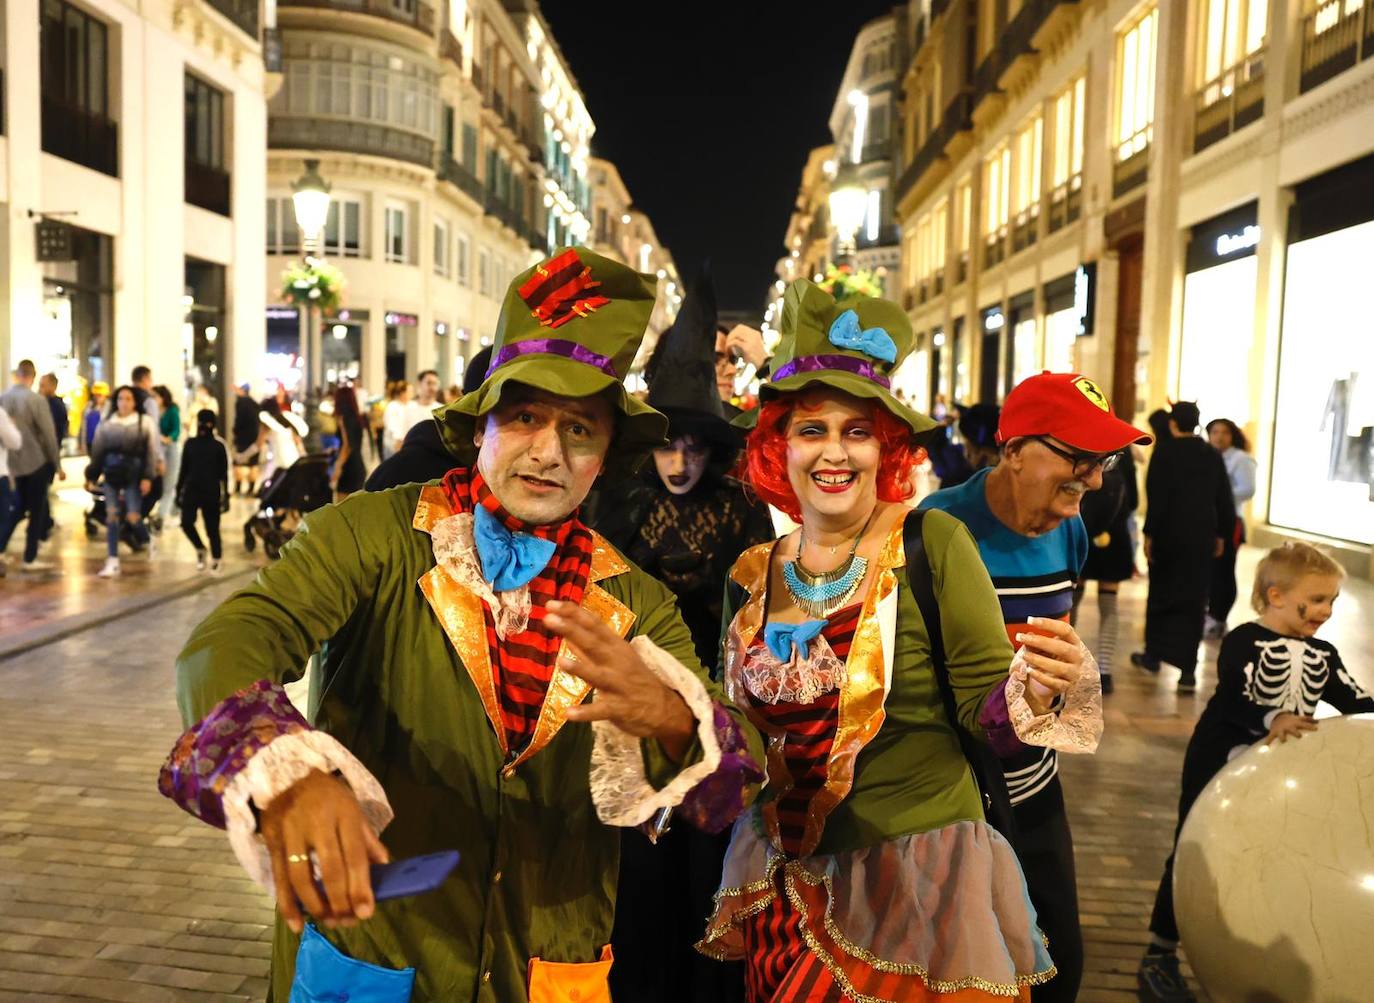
(684,521)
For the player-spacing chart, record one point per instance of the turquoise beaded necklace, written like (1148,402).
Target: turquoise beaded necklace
(819,595)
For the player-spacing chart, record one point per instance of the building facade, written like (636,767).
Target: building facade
(455,146)
(1171,198)
(133,178)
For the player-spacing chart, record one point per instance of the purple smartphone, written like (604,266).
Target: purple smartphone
(413,876)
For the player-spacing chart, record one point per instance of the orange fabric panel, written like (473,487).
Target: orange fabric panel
(563,982)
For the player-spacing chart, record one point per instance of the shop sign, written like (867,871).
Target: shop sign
(1232,243)
(282,313)
(994,320)
(54,240)
(402,319)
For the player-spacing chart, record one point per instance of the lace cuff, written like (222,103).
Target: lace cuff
(1075,727)
(275,768)
(455,549)
(797,680)
(620,786)
(250,747)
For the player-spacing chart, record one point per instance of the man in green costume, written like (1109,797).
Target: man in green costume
(465,623)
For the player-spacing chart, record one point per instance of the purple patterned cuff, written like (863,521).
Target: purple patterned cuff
(718,800)
(207,758)
(995,721)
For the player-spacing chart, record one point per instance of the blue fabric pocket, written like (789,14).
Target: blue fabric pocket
(324,974)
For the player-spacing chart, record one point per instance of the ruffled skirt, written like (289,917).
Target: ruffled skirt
(941,915)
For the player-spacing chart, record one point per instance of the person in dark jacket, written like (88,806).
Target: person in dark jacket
(1111,555)
(203,488)
(1189,510)
(422,456)
(245,439)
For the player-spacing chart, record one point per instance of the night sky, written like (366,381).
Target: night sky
(709,119)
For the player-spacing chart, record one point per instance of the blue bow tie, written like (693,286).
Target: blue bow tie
(509,560)
(781,638)
(876,343)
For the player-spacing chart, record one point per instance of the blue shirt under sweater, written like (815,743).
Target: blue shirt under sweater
(1034,576)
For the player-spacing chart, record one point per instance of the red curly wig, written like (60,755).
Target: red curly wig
(764,466)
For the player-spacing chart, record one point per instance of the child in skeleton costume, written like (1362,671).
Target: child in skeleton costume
(1271,673)
(867,871)
(684,521)
(465,623)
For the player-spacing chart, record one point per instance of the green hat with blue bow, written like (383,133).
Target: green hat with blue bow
(852,345)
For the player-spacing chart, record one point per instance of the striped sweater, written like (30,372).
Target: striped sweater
(1034,576)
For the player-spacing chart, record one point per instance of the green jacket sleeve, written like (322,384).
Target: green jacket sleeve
(977,650)
(270,629)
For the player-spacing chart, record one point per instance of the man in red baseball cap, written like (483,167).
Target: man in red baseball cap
(1056,436)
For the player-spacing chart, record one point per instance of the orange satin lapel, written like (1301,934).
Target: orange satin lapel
(565,689)
(460,614)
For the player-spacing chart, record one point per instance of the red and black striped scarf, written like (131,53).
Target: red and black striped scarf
(523,663)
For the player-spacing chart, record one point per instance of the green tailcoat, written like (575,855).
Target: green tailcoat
(406,686)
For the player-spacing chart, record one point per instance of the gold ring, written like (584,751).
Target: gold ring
(298,858)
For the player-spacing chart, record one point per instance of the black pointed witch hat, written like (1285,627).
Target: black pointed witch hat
(682,371)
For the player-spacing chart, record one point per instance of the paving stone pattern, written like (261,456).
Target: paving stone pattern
(109,892)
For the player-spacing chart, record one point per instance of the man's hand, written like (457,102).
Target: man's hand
(747,343)
(61,474)
(628,694)
(1055,662)
(319,815)
(1286,726)
(1219,547)
(145,486)
(1148,549)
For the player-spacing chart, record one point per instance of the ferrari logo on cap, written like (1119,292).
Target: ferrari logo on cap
(1093,392)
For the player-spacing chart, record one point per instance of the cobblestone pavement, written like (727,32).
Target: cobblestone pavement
(109,892)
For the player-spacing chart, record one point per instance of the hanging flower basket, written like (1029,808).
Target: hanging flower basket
(842,281)
(313,283)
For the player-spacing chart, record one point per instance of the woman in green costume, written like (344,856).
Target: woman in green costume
(867,871)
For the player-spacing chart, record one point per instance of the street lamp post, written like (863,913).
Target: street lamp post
(310,200)
(847,200)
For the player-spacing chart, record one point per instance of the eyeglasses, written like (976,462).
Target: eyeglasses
(1083,463)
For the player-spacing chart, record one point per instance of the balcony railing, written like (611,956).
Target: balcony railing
(419,15)
(534,145)
(938,283)
(995,247)
(1026,228)
(922,291)
(498,104)
(1015,41)
(1231,101)
(875,151)
(961,268)
(456,174)
(1335,36)
(292,133)
(1132,166)
(886,237)
(450,47)
(1066,204)
(83,138)
(207,187)
(956,119)
(477,75)
(243,13)
(272,59)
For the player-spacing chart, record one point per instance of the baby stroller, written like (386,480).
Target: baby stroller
(284,500)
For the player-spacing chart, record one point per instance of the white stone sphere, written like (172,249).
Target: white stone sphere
(1274,875)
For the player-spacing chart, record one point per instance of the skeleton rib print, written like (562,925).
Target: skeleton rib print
(1288,674)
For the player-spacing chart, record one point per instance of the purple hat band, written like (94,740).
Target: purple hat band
(817,363)
(552,346)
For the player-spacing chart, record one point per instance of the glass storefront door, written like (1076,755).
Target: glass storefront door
(74,338)
(1323,462)
(203,331)
(1218,332)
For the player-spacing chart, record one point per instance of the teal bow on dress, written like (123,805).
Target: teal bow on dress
(509,560)
(781,638)
(847,333)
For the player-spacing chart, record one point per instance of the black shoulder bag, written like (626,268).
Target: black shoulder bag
(987,768)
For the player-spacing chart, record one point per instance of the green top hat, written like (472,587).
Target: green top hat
(570,326)
(852,345)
